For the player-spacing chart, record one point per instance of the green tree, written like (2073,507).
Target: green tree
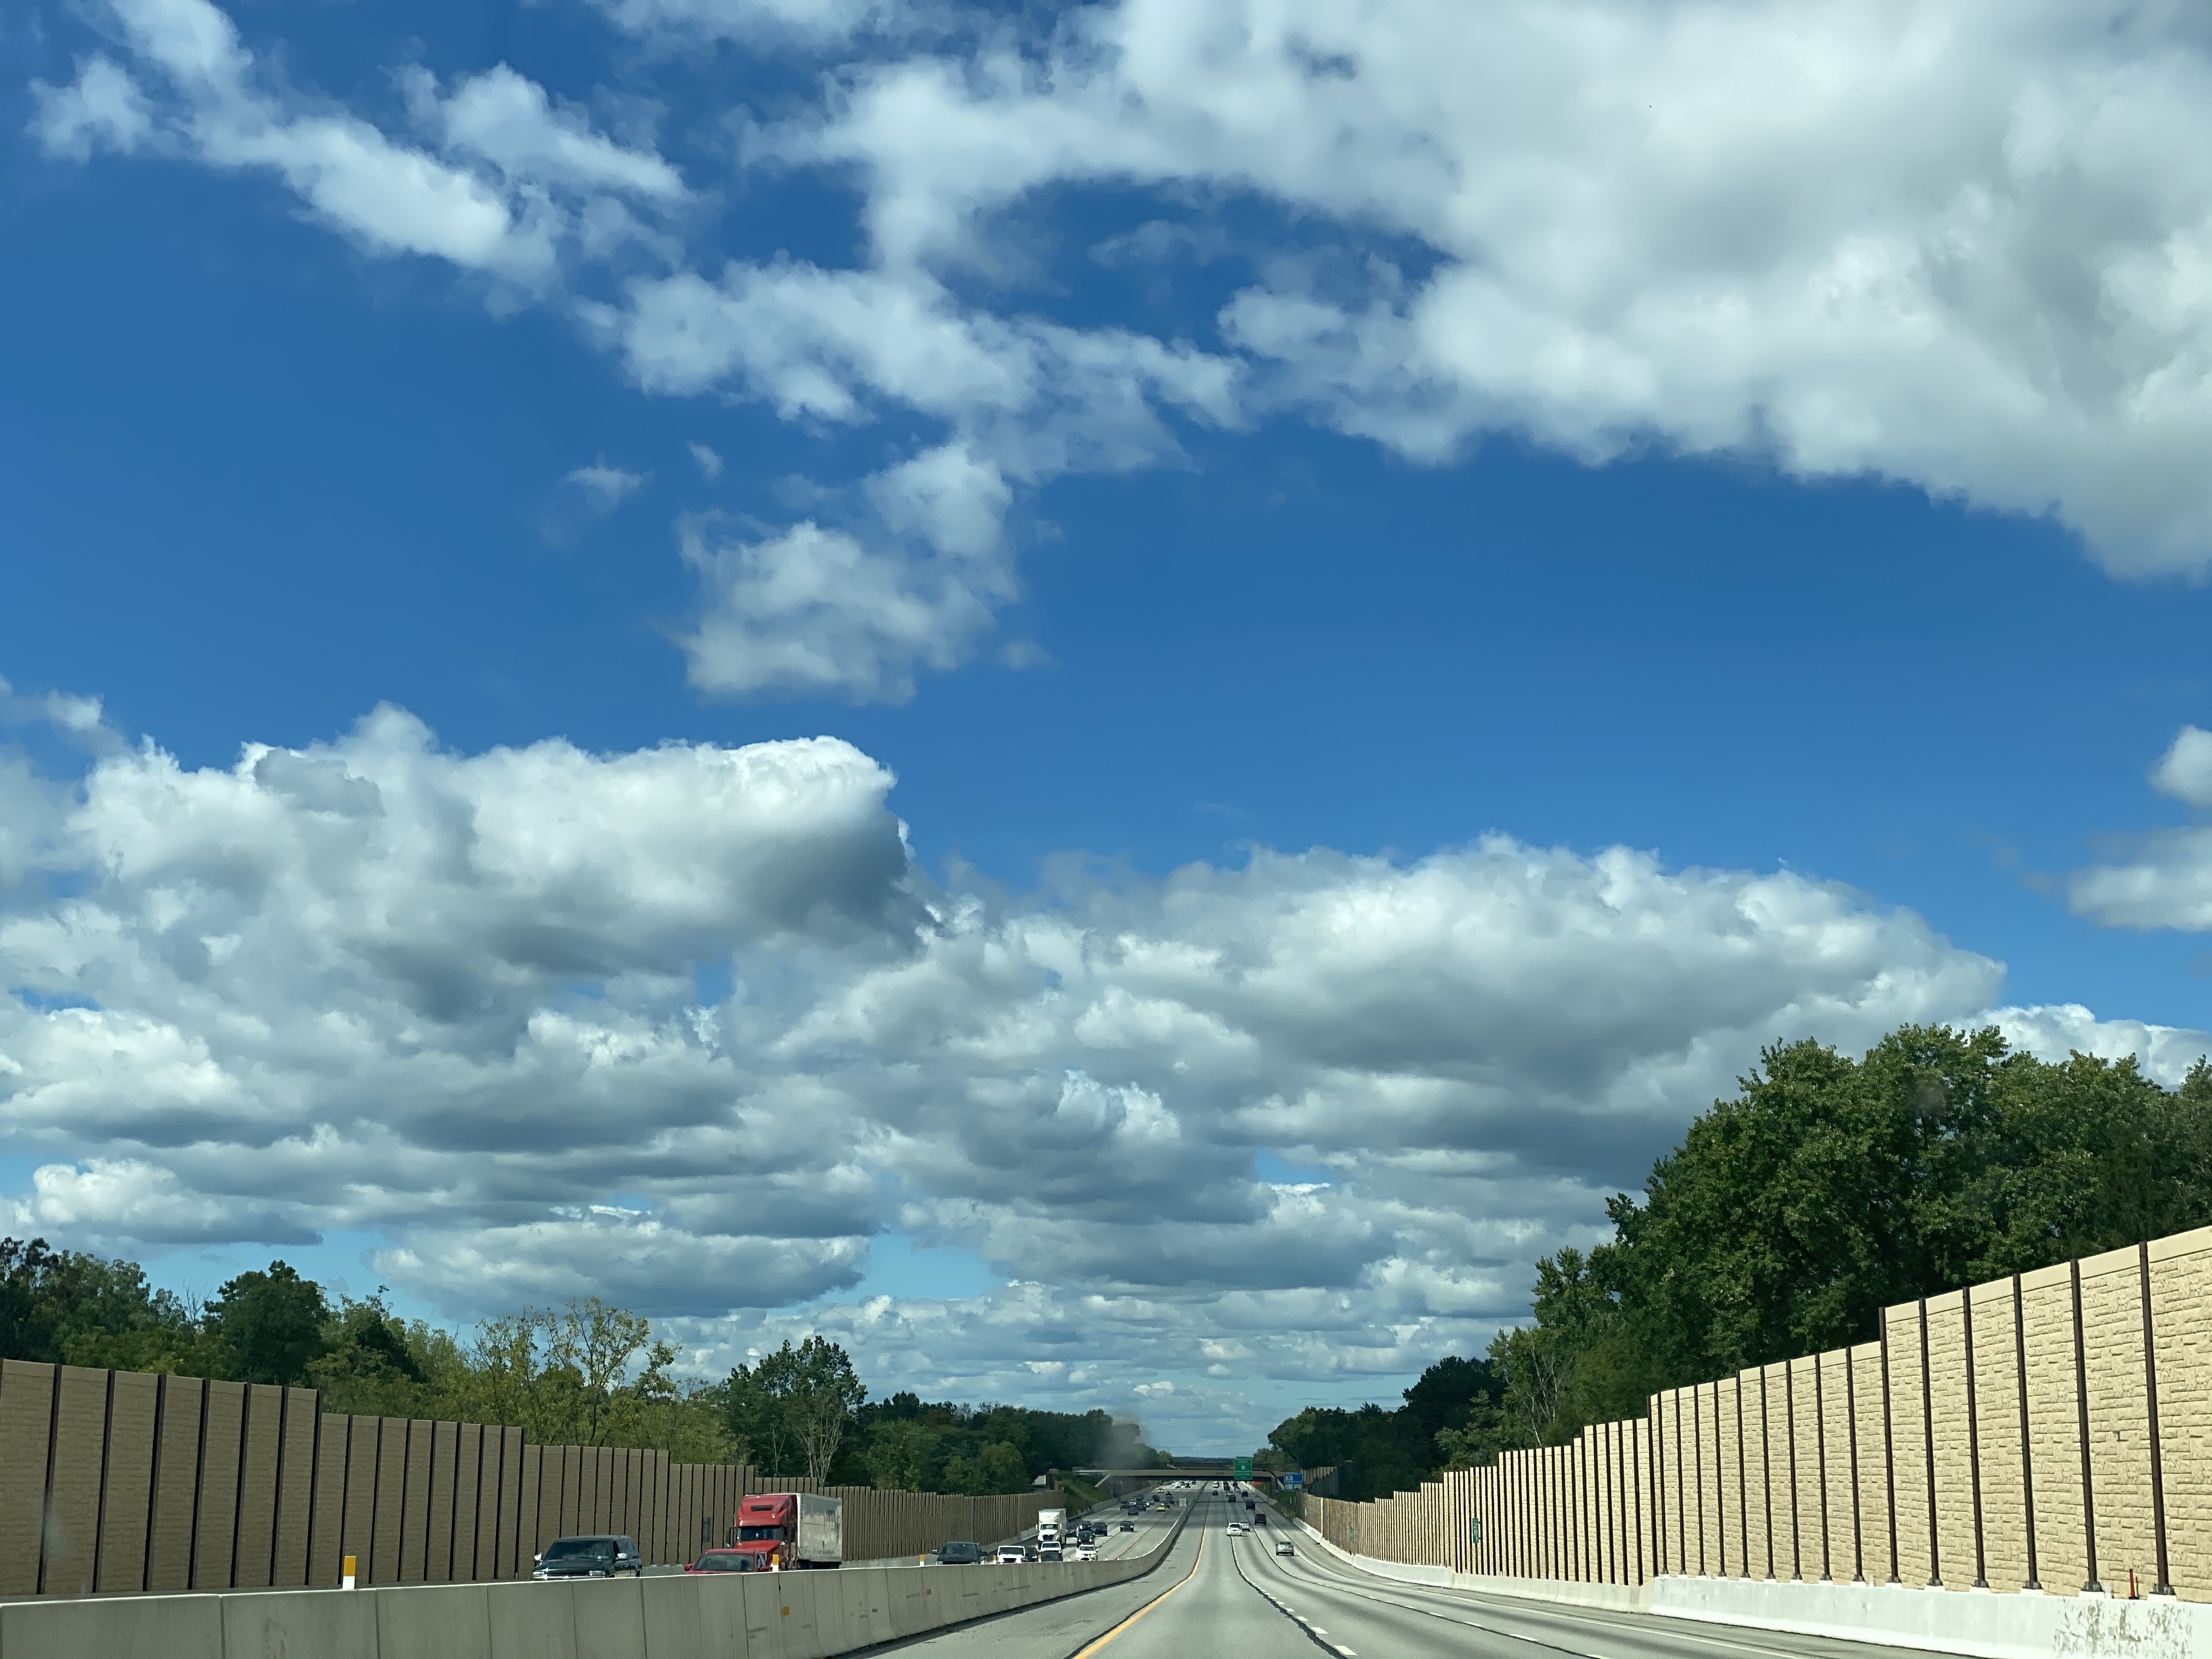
(1377,1452)
(596,1343)
(941,1446)
(755,1415)
(367,1366)
(901,1454)
(796,1402)
(588,1372)
(997,1467)
(827,1392)
(1476,1443)
(60,1305)
(1828,1189)
(270,1324)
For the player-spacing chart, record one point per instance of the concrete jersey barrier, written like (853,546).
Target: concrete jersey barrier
(780,1615)
(1983,1626)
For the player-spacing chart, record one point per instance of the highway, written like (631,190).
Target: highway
(1151,1527)
(1214,1589)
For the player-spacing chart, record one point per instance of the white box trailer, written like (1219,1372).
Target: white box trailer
(821,1530)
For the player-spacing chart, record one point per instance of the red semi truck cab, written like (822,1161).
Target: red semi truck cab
(784,1530)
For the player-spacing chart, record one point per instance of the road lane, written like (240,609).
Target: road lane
(1059,1629)
(1379,1619)
(1215,1589)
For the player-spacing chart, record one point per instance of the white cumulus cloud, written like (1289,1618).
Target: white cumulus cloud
(1965,247)
(506,119)
(2185,771)
(812,609)
(102,108)
(2165,881)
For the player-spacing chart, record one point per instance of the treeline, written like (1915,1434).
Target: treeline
(906,1444)
(801,1410)
(587,1374)
(1826,1190)
(1377,1452)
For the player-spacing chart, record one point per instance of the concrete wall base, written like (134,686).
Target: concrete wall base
(1989,1625)
(1980,1623)
(1630,1598)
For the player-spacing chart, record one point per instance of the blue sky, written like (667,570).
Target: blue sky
(1333,514)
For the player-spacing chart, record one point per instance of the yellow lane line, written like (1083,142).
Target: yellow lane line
(1085,1653)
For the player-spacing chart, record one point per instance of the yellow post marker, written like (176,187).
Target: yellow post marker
(347,1581)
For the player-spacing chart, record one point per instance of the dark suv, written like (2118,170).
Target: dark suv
(594,1555)
(960,1553)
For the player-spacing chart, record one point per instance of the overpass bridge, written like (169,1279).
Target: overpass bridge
(1194,1469)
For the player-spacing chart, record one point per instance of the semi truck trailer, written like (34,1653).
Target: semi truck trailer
(787,1530)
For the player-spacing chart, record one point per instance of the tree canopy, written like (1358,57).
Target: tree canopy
(586,1374)
(1377,1452)
(1824,1190)
(1827,1188)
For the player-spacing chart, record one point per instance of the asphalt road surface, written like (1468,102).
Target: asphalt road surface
(1214,1589)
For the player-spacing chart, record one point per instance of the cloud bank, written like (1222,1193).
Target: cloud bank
(687,1027)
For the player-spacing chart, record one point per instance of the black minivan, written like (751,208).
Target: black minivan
(960,1553)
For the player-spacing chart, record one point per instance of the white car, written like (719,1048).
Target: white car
(1235,1528)
(1283,1547)
(1013,1555)
(1086,1551)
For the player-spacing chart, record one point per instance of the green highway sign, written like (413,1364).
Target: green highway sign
(1474,1529)
(1241,1468)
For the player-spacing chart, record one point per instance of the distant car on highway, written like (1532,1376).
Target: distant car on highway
(1086,1551)
(1236,1528)
(1013,1555)
(725,1561)
(1283,1547)
(960,1552)
(1128,1525)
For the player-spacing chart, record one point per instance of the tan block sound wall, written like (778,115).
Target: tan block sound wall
(2023,1432)
(117,1481)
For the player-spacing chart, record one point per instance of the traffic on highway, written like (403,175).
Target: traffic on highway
(1234,1573)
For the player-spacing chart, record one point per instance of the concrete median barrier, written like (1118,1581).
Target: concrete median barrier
(171,1626)
(675,1618)
(794,1593)
(280,1625)
(610,1616)
(722,1632)
(442,1621)
(785,1615)
(528,1621)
